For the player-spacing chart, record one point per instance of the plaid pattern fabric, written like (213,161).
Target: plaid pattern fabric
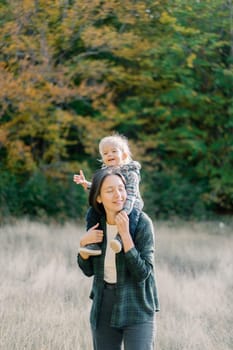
(136,292)
(131,173)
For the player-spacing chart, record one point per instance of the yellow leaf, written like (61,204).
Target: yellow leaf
(190,60)
(165,18)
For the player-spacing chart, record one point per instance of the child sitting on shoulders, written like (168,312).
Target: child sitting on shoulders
(115,152)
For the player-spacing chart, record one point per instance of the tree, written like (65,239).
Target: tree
(159,72)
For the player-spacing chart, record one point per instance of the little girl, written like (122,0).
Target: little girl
(115,152)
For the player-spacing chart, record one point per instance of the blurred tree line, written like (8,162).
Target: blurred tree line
(159,72)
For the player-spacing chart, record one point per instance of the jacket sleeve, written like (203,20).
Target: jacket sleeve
(132,189)
(85,265)
(140,259)
(89,185)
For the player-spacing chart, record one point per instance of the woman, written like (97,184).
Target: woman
(124,290)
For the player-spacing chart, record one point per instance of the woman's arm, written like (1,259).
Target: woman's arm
(140,258)
(122,222)
(93,235)
(85,265)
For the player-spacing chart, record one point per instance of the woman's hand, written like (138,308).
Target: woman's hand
(93,235)
(122,222)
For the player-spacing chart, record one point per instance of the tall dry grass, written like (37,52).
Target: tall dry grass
(44,301)
(195,273)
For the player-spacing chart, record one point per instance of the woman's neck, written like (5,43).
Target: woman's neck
(111,218)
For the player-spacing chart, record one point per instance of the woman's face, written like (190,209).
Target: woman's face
(112,194)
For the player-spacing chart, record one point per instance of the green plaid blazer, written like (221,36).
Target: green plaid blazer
(136,291)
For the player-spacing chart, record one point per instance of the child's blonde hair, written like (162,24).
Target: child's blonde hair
(120,142)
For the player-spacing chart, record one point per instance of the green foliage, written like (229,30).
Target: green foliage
(173,195)
(41,197)
(10,202)
(158,72)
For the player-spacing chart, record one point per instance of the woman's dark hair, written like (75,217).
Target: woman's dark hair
(97,181)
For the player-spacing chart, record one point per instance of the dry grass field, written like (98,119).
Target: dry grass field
(44,301)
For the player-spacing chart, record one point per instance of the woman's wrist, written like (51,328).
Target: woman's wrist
(83,241)
(127,241)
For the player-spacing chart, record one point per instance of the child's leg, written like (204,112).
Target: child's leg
(92,218)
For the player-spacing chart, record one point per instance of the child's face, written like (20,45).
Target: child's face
(112,155)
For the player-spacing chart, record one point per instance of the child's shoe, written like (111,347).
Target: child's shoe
(91,249)
(116,244)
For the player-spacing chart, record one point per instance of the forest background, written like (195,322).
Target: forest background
(159,72)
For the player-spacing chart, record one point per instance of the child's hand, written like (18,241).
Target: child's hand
(80,179)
